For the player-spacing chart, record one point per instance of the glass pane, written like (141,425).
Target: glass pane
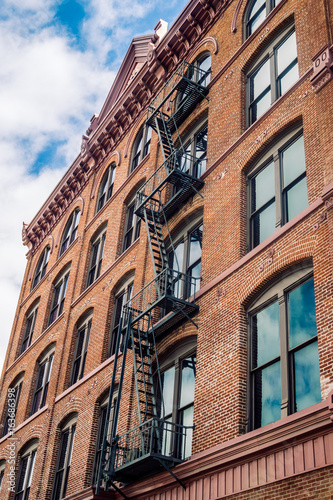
(307,377)
(286,53)
(266,335)
(262,187)
(195,272)
(187,381)
(302,314)
(297,199)
(176,258)
(268,395)
(263,224)
(187,421)
(260,106)
(195,245)
(288,79)
(168,381)
(205,65)
(293,161)
(257,15)
(260,81)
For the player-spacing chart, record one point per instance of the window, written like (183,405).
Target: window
(195,159)
(284,372)
(41,266)
(64,460)
(123,295)
(42,381)
(26,469)
(277,188)
(96,257)
(29,328)
(100,431)
(141,146)
(271,76)
(256,12)
(2,471)
(106,186)
(58,299)
(81,347)
(70,231)
(132,226)
(177,402)
(186,258)
(14,392)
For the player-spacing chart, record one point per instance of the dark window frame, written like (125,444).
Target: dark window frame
(64,458)
(141,146)
(273,155)
(70,231)
(41,267)
(80,352)
(58,297)
(29,328)
(42,381)
(96,257)
(194,167)
(122,295)
(106,186)
(26,469)
(17,385)
(269,54)
(131,227)
(2,471)
(276,294)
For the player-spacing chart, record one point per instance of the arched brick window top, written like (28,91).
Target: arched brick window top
(105,190)
(70,231)
(255,13)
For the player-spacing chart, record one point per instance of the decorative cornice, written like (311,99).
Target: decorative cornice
(322,68)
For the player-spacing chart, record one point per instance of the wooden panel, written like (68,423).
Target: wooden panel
(288,462)
(262,470)
(279,464)
(213,487)
(253,473)
(221,484)
(206,488)
(245,477)
(237,478)
(199,489)
(328,443)
(270,467)
(299,458)
(229,481)
(319,452)
(308,455)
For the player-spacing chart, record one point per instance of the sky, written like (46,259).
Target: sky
(58,62)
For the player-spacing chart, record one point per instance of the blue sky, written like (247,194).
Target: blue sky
(58,62)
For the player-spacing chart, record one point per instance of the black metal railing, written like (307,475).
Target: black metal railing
(155,437)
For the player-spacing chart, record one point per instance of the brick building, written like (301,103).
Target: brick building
(173,336)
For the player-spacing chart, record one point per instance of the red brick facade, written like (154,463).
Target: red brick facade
(289,458)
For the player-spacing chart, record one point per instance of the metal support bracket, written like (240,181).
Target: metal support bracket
(172,474)
(186,315)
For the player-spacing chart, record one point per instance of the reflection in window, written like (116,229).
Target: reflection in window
(277,189)
(80,353)
(122,296)
(141,146)
(96,258)
(41,266)
(42,382)
(194,161)
(106,187)
(29,329)
(271,76)
(70,231)
(292,344)
(256,12)
(64,461)
(24,480)
(58,299)
(177,402)
(14,393)
(132,226)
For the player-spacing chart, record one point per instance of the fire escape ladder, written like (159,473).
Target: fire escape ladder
(155,237)
(160,123)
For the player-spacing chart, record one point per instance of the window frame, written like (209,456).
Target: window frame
(277,293)
(41,267)
(47,362)
(122,295)
(79,358)
(131,233)
(269,6)
(2,471)
(105,190)
(70,232)
(68,429)
(30,321)
(190,147)
(268,54)
(28,457)
(58,297)
(96,257)
(272,154)
(141,146)
(17,385)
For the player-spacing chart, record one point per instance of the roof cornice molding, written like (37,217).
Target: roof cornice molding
(107,131)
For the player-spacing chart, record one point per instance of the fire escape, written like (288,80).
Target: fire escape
(155,443)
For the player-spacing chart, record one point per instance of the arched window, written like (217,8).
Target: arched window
(64,459)
(70,231)
(178,372)
(106,187)
(96,257)
(58,297)
(255,13)
(194,161)
(283,364)
(30,320)
(14,393)
(132,225)
(26,469)
(2,470)
(41,266)
(122,295)
(277,188)
(81,347)
(42,380)
(141,146)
